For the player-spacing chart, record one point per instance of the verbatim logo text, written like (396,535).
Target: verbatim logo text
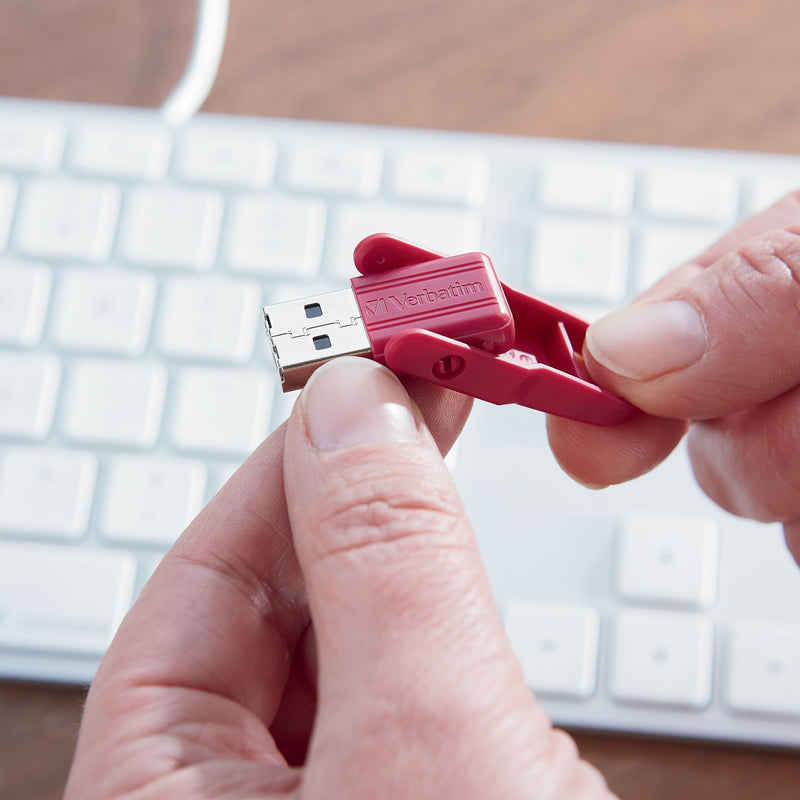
(427,296)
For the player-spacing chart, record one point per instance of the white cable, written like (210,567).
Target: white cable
(198,77)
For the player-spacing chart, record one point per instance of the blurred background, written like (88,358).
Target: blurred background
(719,73)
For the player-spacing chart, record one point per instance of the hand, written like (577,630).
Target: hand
(327,609)
(716,341)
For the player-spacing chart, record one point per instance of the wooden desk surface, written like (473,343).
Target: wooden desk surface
(717,73)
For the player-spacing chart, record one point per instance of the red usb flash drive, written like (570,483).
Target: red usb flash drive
(450,321)
(403,287)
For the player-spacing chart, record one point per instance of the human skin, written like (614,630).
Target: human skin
(717,342)
(325,629)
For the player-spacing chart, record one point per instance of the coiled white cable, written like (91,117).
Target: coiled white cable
(201,69)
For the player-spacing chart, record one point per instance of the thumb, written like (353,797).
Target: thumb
(386,552)
(725,339)
(414,666)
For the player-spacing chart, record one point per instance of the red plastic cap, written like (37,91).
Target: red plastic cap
(458,296)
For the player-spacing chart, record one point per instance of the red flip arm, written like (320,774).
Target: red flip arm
(511,377)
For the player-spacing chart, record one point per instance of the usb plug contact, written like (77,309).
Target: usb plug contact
(306,333)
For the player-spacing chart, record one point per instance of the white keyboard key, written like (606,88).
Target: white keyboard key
(222,411)
(337,169)
(131,150)
(151,500)
(104,311)
(62,599)
(556,645)
(172,228)
(8,197)
(210,318)
(147,566)
(30,144)
(664,247)
(453,457)
(24,293)
(276,236)
(280,292)
(227,158)
(587,186)
(115,402)
(763,668)
(445,177)
(582,259)
(591,313)
(768,188)
(696,195)
(65,218)
(663,658)
(668,559)
(46,492)
(442,230)
(284,403)
(28,390)
(223,473)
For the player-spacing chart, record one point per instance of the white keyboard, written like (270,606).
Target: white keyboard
(134,377)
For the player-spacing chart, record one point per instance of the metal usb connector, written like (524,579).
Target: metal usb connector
(306,333)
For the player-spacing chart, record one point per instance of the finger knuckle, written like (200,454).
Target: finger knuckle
(766,274)
(774,255)
(372,502)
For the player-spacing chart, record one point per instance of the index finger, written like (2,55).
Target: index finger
(602,456)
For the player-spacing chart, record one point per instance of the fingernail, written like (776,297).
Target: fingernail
(648,340)
(351,401)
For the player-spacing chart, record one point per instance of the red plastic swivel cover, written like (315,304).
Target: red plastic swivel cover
(450,321)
